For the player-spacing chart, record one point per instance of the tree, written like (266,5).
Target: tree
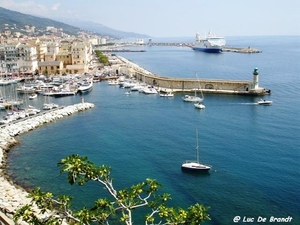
(120,207)
(101,57)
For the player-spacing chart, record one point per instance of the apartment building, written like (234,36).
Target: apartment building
(44,56)
(51,67)
(27,58)
(81,52)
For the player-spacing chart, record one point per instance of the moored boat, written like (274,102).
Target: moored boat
(195,165)
(191,98)
(149,90)
(199,105)
(32,96)
(166,94)
(48,106)
(85,86)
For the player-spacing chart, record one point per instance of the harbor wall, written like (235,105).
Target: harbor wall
(216,86)
(189,84)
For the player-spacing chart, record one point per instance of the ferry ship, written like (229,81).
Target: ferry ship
(210,43)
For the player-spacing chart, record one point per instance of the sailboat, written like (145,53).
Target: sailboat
(199,105)
(195,98)
(195,165)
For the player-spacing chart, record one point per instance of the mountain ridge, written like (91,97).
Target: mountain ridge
(11,17)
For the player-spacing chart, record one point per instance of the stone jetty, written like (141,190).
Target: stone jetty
(240,50)
(11,196)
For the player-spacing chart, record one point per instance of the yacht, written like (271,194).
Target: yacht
(85,86)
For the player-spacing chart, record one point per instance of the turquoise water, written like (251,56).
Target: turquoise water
(254,150)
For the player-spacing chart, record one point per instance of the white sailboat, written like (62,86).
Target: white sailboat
(195,165)
(195,98)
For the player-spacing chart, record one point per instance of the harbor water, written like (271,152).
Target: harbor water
(253,149)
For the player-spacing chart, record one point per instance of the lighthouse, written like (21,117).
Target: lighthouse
(255,78)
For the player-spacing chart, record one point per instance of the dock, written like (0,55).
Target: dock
(176,44)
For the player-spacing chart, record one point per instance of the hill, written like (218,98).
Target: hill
(104,30)
(20,20)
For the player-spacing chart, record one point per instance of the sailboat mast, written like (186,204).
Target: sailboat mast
(197,146)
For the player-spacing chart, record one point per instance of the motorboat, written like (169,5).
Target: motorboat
(61,91)
(85,86)
(199,105)
(32,96)
(48,106)
(30,111)
(149,90)
(195,165)
(264,102)
(138,87)
(25,89)
(113,82)
(166,94)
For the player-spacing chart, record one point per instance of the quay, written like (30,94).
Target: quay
(13,197)
(210,86)
(121,50)
(175,44)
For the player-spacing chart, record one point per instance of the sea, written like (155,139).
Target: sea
(254,150)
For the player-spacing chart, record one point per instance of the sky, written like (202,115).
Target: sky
(174,18)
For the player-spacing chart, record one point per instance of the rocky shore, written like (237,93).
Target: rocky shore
(11,196)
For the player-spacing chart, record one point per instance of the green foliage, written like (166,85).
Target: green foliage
(102,58)
(119,207)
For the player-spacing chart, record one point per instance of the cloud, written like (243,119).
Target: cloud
(31,7)
(55,6)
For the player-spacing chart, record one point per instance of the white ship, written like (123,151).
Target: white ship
(209,43)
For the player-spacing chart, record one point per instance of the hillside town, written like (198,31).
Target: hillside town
(23,52)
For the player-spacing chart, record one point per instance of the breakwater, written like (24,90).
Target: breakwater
(240,50)
(11,196)
(209,86)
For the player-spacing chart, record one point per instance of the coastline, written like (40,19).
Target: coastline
(12,196)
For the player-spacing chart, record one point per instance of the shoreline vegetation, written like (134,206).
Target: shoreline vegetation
(13,196)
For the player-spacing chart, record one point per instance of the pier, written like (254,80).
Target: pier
(211,86)
(175,44)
